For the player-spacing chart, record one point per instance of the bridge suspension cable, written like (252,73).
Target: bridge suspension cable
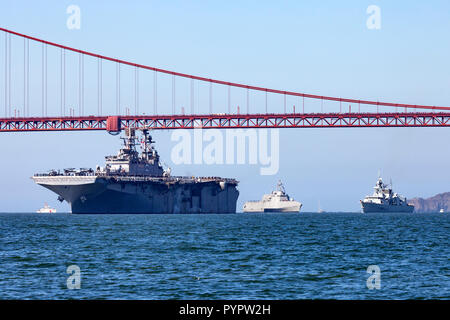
(199,78)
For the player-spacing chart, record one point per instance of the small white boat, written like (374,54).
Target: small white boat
(46,209)
(320,210)
(441,211)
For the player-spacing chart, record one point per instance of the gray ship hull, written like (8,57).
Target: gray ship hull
(374,207)
(281,210)
(115,195)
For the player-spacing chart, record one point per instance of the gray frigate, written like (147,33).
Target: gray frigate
(384,199)
(135,182)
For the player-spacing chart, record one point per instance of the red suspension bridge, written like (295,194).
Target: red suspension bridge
(213,103)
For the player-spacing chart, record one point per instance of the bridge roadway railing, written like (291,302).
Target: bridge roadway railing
(114,124)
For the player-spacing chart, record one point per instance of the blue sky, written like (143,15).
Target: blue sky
(320,48)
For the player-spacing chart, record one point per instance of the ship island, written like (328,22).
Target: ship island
(133,182)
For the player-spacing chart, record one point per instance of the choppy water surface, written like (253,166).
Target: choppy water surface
(242,256)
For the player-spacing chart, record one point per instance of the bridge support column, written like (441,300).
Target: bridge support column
(113,124)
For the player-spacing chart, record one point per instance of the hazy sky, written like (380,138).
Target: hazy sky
(307,46)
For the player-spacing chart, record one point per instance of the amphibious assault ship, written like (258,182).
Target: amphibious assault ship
(133,182)
(277,201)
(384,199)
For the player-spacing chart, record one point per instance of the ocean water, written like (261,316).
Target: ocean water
(241,256)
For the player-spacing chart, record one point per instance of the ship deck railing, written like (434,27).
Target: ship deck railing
(127,177)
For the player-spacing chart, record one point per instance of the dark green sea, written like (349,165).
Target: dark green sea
(240,256)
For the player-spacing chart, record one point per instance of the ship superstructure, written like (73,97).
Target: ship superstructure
(133,182)
(277,201)
(384,199)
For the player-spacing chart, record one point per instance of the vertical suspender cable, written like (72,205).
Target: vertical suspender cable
(82,83)
(155,92)
(173,94)
(64,81)
(137,91)
(321,108)
(61,84)
(6,74)
(28,77)
(192,96)
(44,85)
(210,98)
(229,99)
(248,101)
(9,75)
(266,101)
(99,86)
(79,83)
(24,76)
(303,104)
(120,84)
(117,88)
(45,79)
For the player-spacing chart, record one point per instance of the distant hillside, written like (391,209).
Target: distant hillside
(433,204)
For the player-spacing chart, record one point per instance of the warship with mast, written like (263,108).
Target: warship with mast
(133,182)
(277,201)
(384,199)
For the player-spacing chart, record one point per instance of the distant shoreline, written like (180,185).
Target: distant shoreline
(431,204)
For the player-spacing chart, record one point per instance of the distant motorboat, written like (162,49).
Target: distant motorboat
(441,211)
(46,209)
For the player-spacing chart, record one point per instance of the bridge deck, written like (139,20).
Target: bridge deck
(228,121)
